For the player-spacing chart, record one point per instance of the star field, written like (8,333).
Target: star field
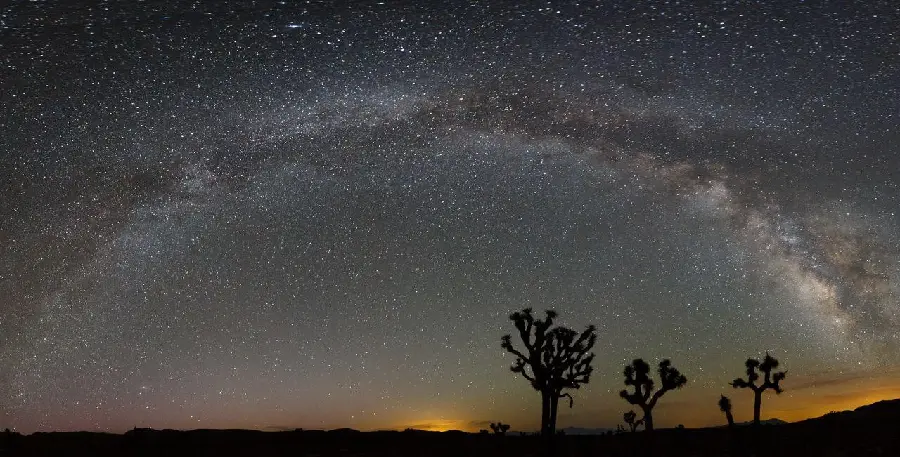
(284,214)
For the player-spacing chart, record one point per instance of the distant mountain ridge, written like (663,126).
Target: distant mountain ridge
(569,431)
(867,430)
(586,431)
(772,421)
(881,410)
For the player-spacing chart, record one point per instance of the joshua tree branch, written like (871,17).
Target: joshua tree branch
(507,345)
(656,395)
(521,367)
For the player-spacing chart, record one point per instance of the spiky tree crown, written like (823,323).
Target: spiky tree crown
(725,404)
(637,375)
(770,380)
(670,377)
(499,428)
(554,358)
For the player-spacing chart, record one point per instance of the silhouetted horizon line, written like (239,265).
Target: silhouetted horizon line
(287,429)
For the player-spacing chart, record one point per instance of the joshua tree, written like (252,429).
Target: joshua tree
(770,380)
(638,375)
(725,406)
(554,359)
(499,428)
(632,420)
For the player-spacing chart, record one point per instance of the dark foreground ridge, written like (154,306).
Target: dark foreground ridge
(870,430)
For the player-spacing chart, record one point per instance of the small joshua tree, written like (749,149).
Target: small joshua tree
(770,380)
(632,420)
(554,359)
(499,428)
(637,375)
(725,406)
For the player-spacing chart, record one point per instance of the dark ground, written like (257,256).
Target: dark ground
(872,430)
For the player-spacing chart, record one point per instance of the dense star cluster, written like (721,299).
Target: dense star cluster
(286,214)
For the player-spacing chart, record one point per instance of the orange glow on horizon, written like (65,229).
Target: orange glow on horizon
(436,425)
(804,398)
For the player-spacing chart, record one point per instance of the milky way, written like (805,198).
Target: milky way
(275,215)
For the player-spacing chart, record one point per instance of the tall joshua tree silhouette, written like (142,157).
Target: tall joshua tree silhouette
(638,375)
(554,359)
(725,406)
(770,380)
(633,424)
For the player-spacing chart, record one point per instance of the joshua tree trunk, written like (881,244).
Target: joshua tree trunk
(549,400)
(549,407)
(757,402)
(554,404)
(730,418)
(545,412)
(648,420)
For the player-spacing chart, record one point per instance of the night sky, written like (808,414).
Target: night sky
(279,214)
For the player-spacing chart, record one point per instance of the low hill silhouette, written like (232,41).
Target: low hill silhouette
(869,430)
(773,421)
(568,431)
(885,410)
